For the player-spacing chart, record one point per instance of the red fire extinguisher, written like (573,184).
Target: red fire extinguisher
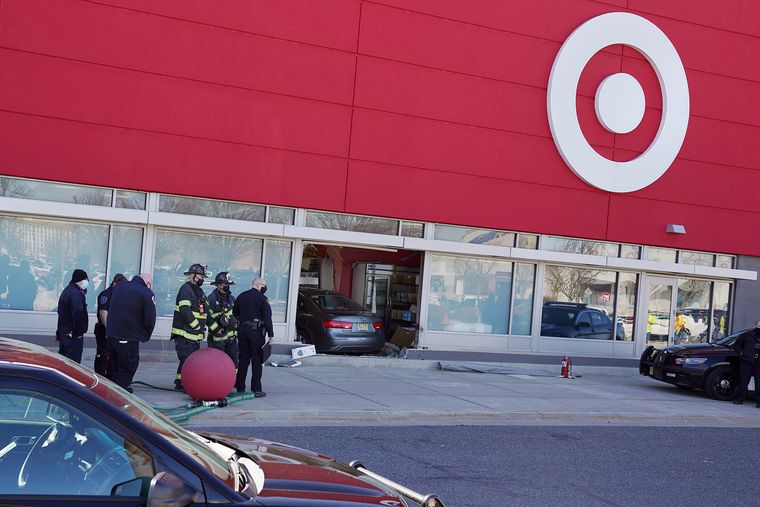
(566,367)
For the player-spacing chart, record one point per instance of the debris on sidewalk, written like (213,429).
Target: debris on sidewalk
(290,363)
(491,368)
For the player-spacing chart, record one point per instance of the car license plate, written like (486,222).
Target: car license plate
(362,326)
(651,370)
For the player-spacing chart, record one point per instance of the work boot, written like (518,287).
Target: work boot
(259,394)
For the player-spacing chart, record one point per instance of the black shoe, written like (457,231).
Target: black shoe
(738,402)
(130,390)
(757,405)
(178,387)
(240,391)
(259,394)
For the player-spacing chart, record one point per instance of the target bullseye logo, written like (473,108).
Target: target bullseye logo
(619,102)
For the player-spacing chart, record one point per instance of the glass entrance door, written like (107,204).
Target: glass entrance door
(661,321)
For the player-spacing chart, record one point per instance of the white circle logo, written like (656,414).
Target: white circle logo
(619,102)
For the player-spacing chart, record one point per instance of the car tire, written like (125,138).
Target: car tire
(721,383)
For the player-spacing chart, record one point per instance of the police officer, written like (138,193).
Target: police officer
(101,342)
(72,316)
(130,321)
(189,322)
(747,345)
(222,325)
(254,324)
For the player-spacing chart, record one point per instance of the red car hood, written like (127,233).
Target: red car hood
(298,478)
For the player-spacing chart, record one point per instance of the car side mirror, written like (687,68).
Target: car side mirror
(138,486)
(583,324)
(168,490)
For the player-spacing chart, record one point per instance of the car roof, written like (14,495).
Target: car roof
(27,359)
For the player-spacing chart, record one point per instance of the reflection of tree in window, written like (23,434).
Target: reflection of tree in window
(10,187)
(571,282)
(93,197)
(210,208)
(352,223)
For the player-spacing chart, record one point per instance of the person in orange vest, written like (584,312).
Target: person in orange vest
(680,328)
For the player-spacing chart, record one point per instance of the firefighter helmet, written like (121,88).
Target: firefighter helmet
(198,269)
(224,277)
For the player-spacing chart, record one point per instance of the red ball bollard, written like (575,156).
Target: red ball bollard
(208,374)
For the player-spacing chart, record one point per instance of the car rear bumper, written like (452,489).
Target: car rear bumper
(345,342)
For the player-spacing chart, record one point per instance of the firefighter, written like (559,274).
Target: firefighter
(189,322)
(222,325)
(101,342)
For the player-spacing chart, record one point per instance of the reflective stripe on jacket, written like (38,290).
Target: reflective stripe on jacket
(190,312)
(220,305)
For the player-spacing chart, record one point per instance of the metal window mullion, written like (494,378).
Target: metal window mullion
(108,253)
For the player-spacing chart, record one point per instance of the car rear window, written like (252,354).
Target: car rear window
(333,302)
(560,316)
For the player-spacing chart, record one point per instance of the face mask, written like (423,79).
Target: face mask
(84,284)
(224,288)
(199,282)
(263,289)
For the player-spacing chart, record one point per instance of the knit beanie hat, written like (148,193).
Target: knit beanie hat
(79,275)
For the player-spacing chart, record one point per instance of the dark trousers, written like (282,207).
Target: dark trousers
(228,346)
(250,352)
(71,347)
(124,358)
(101,351)
(746,370)
(184,348)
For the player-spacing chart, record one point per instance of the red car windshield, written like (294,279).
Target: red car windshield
(173,433)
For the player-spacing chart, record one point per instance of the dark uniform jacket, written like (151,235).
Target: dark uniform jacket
(190,312)
(72,311)
(222,325)
(132,314)
(104,303)
(253,312)
(745,344)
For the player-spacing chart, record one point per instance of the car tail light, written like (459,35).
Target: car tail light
(337,324)
(377,325)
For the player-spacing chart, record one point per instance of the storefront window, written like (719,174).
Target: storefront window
(354,223)
(413,229)
(53,191)
(212,208)
(522,299)
(126,251)
(176,251)
(469,295)
(626,305)
(473,235)
(696,258)
(284,216)
(529,241)
(724,261)
(579,303)
(721,304)
(661,254)
(130,200)
(582,246)
(692,311)
(37,258)
(277,275)
(630,251)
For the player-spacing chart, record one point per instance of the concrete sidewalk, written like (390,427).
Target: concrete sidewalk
(332,390)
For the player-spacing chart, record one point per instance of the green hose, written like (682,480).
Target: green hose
(181,414)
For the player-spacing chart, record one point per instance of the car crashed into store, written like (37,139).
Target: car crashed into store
(70,437)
